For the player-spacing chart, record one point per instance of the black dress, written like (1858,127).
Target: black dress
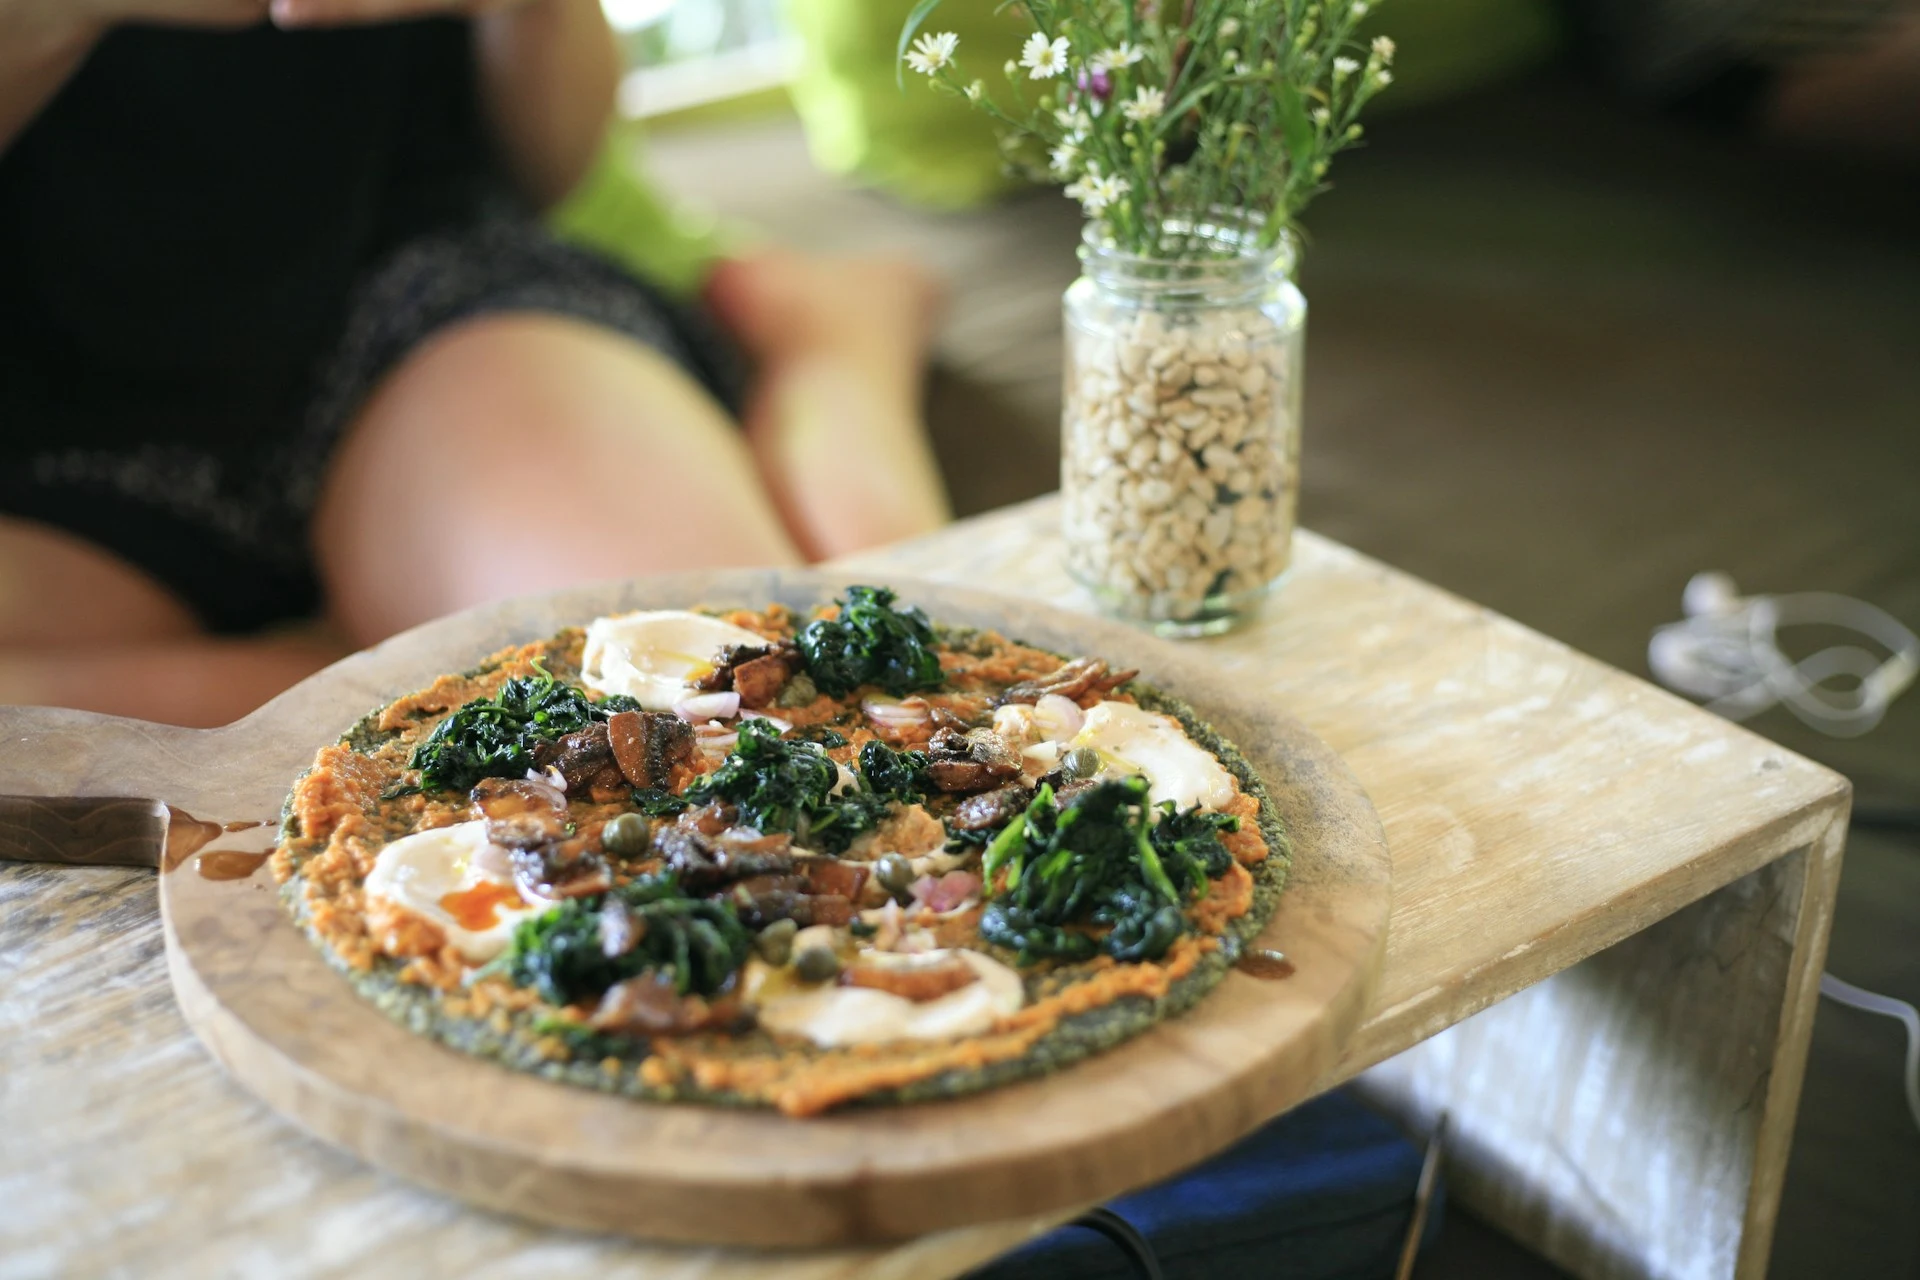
(211,247)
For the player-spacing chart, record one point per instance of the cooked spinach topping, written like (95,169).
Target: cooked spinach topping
(786,784)
(495,737)
(1099,860)
(656,803)
(562,955)
(871,642)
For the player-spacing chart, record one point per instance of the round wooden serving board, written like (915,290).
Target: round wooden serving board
(291,1029)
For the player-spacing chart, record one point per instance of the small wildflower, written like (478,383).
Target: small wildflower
(1383,48)
(1043,59)
(1064,157)
(1124,54)
(1096,191)
(1360,8)
(930,53)
(1381,79)
(1074,121)
(1011,69)
(1148,104)
(1343,67)
(1096,83)
(1322,116)
(1230,28)
(974,91)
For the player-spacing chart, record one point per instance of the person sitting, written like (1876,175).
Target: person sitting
(282,338)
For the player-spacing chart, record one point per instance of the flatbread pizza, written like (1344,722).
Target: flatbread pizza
(746,857)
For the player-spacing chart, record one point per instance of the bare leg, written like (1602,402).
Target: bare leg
(79,627)
(835,414)
(521,453)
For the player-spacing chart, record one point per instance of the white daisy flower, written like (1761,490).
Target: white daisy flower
(1111,188)
(1383,48)
(1074,121)
(1148,104)
(932,52)
(1345,66)
(1095,191)
(1064,157)
(1044,60)
(1124,54)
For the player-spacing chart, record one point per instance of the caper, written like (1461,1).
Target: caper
(894,873)
(627,836)
(816,964)
(775,942)
(1081,762)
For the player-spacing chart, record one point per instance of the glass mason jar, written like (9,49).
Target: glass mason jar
(1180,458)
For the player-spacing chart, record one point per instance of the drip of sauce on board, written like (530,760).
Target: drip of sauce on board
(1266,964)
(229,864)
(188,835)
(478,909)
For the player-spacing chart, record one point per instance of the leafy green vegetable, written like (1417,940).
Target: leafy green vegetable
(871,642)
(786,784)
(1099,860)
(495,737)
(898,775)
(656,803)
(559,952)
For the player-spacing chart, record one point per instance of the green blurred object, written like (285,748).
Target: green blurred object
(933,149)
(617,211)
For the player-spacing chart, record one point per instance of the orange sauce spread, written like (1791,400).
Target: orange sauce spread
(478,908)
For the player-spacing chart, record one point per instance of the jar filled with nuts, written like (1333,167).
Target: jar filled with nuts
(1181,425)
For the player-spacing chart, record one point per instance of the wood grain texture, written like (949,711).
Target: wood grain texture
(291,1029)
(1539,807)
(1543,808)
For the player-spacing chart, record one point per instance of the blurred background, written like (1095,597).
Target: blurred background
(1615,293)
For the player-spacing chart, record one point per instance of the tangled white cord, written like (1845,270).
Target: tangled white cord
(1886,1006)
(1725,651)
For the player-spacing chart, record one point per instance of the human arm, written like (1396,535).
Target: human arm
(547,68)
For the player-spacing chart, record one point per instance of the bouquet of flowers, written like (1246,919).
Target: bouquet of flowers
(1159,114)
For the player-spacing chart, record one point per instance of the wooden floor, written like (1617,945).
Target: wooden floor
(1559,360)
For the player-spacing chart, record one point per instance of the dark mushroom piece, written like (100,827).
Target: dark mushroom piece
(648,1005)
(756,672)
(1075,680)
(977,760)
(585,759)
(520,814)
(646,746)
(992,809)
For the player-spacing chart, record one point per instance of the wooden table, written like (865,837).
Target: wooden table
(1610,915)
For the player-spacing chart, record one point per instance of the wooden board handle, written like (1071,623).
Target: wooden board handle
(93,790)
(90,831)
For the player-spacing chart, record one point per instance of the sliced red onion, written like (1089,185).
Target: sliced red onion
(1057,718)
(953,890)
(892,713)
(707,706)
(551,781)
(775,721)
(714,739)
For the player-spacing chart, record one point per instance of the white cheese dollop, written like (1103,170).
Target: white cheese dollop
(861,1015)
(655,657)
(1134,740)
(418,872)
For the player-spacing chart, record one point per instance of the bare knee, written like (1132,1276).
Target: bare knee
(523,453)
